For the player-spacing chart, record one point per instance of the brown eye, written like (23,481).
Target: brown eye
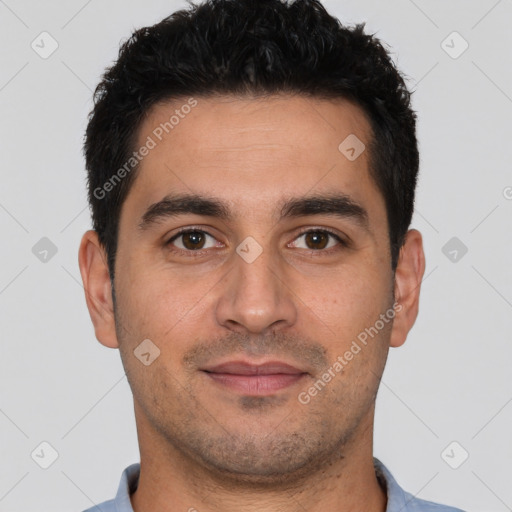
(316,240)
(319,240)
(191,240)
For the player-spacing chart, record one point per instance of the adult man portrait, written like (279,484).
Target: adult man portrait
(252,170)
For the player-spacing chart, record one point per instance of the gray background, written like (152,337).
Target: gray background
(451,381)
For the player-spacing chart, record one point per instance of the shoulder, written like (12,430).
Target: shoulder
(417,505)
(402,501)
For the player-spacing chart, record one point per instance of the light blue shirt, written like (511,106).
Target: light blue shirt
(398,499)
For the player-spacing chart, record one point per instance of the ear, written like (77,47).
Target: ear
(98,290)
(408,277)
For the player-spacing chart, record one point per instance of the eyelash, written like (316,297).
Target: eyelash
(194,254)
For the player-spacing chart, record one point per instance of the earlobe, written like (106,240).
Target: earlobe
(98,290)
(408,277)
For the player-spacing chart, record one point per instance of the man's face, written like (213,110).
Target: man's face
(252,287)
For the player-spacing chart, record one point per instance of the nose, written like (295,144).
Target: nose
(257,297)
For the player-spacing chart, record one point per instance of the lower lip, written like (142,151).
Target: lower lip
(256,385)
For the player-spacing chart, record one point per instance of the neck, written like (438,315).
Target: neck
(171,480)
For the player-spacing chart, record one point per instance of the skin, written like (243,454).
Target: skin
(203,446)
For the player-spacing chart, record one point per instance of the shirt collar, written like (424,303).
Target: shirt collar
(396,495)
(127,486)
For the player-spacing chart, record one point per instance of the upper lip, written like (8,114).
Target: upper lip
(246,368)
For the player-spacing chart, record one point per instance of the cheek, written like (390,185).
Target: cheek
(163,306)
(351,297)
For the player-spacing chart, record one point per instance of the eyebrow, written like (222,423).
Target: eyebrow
(336,205)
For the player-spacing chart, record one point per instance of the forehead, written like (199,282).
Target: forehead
(254,151)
